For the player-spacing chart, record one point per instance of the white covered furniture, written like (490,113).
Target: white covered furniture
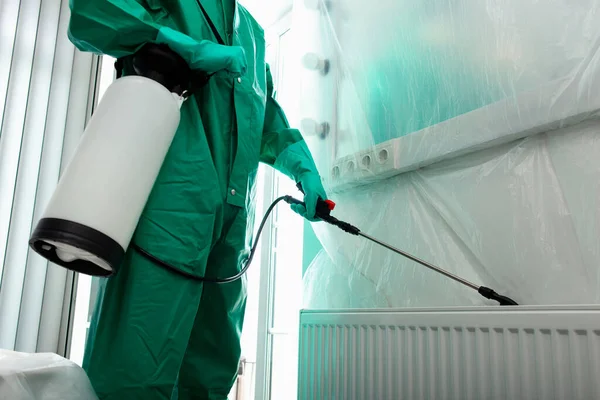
(42,376)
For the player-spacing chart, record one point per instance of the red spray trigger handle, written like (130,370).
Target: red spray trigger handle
(324,207)
(330,204)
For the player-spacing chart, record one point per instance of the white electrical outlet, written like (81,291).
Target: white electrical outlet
(375,163)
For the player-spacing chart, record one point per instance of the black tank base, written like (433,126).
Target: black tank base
(53,230)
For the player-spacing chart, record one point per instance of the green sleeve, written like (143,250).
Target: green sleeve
(278,138)
(113,27)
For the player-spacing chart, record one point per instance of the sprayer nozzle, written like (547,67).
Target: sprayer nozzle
(490,294)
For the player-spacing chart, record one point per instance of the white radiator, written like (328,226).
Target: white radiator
(479,353)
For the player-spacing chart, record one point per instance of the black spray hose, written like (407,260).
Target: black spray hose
(246,263)
(250,257)
(323,211)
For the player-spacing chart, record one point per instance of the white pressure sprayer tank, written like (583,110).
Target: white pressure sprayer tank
(93,213)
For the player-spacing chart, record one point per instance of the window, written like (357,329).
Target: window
(87,287)
(282,271)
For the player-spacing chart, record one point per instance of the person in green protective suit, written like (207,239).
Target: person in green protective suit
(159,331)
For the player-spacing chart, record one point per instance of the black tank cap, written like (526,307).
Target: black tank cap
(161,64)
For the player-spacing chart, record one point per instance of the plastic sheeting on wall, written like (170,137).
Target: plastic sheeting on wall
(465,133)
(521,218)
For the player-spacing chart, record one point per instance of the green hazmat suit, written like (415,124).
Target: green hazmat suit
(158,329)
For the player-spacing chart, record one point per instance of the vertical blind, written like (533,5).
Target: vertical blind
(45,99)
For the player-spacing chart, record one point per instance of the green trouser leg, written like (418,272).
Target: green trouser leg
(152,324)
(140,330)
(210,364)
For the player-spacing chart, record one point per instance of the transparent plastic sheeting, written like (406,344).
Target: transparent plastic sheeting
(522,218)
(463,132)
(42,376)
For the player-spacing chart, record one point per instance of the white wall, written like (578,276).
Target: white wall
(267,12)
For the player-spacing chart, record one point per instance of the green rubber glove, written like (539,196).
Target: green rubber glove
(313,190)
(205,55)
(297,163)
